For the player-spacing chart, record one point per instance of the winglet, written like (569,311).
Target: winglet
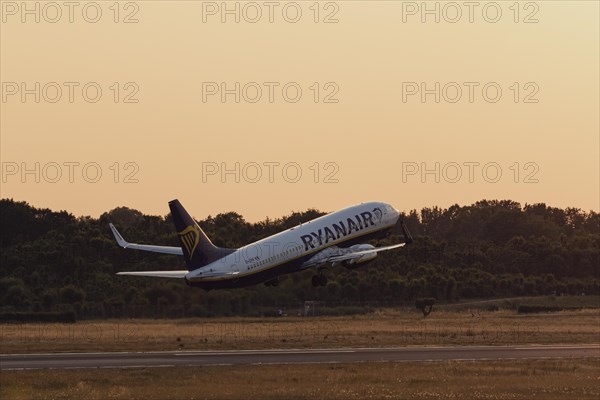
(118,236)
(144,247)
(407,237)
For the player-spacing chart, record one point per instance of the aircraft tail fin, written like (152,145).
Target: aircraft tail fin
(197,248)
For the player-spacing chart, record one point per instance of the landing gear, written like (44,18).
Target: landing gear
(319,280)
(322,280)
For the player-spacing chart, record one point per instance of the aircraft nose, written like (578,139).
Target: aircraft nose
(393,214)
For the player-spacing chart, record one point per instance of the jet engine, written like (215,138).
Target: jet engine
(361,260)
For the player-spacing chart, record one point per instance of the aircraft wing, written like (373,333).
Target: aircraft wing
(157,274)
(358,254)
(178,274)
(145,247)
(336,254)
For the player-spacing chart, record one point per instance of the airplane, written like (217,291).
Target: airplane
(328,241)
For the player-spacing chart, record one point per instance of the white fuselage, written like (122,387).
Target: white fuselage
(296,245)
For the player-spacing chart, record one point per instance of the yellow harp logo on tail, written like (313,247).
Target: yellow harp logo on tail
(190,237)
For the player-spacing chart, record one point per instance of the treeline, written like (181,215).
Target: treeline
(54,262)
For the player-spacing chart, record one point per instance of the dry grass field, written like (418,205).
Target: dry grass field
(383,328)
(526,379)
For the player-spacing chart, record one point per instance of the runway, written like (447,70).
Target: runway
(293,356)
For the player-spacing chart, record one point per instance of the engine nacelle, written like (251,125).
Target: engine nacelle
(362,260)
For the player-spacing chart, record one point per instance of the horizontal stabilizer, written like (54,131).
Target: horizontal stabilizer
(157,274)
(144,247)
(216,274)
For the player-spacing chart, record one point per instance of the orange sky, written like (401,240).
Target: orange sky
(362,132)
